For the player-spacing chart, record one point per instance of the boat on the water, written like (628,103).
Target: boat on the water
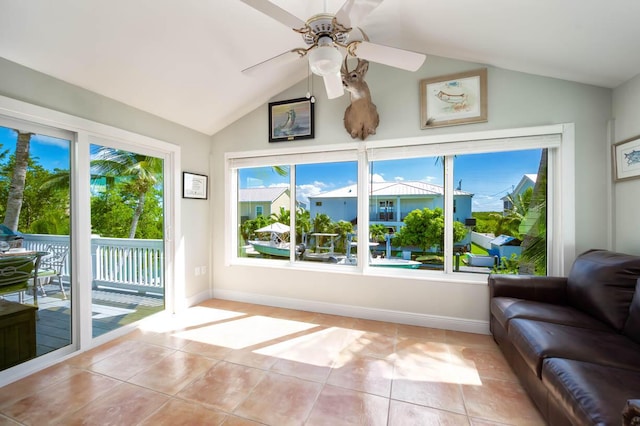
(383,262)
(388,262)
(394,263)
(271,248)
(276,245)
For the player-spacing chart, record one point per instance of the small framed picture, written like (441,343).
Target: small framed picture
(454,99)
(626,159)
(290,120)
(194,186)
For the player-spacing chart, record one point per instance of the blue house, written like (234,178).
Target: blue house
(390,202)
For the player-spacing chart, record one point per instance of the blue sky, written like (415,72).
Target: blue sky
(50,152)
(488,176)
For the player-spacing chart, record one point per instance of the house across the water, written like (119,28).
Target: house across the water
(390,202)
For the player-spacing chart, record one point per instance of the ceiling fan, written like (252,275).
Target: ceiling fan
(327,36)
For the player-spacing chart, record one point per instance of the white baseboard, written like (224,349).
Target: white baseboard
(400,317)
(198,298)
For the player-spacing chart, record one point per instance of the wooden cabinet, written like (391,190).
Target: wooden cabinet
(17,333)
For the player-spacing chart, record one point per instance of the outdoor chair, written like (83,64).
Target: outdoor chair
(15,274)
(51,266)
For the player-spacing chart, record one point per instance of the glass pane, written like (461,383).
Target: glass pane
(406,219)
(508,220)
(34,205)
(263,212)
(327,216)
(127,223)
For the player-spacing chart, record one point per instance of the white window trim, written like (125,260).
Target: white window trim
(561,227)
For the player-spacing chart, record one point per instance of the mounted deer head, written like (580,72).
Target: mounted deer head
(361,117)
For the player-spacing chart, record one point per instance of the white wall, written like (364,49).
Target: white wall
(39,89)
(626,113)
(515,100)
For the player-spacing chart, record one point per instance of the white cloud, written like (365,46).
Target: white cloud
(303,192)
(398,178)
(377,177)
(50,140)
(255,183)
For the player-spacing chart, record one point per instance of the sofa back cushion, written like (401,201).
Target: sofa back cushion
(632,326)
(602,283)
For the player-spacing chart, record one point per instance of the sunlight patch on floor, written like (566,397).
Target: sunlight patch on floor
(245,332)
(319,348)
(193,317)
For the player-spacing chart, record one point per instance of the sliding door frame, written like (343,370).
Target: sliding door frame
(87,132)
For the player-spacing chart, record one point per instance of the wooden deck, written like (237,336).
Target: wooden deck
(111,309)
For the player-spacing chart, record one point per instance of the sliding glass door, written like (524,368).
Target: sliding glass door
(36,216)
(127,241)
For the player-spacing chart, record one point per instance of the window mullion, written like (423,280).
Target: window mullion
(363,209)
(448,214)
(292,212)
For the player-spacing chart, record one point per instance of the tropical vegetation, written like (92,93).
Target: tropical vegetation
(126,193)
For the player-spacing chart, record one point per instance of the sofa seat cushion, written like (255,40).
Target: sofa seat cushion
(590,394)
(505,309)
(537,340)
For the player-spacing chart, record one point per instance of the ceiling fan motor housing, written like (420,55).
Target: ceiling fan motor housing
(324,25)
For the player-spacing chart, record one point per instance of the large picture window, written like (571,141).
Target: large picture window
(474,207)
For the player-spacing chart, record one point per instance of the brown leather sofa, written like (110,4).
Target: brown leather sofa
(574,342)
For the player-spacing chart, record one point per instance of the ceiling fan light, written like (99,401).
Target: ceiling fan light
(324,60)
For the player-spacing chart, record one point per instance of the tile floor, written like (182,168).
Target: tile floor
(229,363)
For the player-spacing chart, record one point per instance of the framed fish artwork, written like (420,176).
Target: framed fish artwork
(626,159)
(453,99)
(290,120)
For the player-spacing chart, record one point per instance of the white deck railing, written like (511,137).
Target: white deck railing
(119,263)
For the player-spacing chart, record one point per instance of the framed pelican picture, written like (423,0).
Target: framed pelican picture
(454,99)
(290,120)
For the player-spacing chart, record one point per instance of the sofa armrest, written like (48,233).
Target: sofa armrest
(631,413)
(529,287)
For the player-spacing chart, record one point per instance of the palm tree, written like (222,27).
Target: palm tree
(509,223)
(303,224)
(16,189)
(321,223)
(141,173)
(283,216)
(534,243)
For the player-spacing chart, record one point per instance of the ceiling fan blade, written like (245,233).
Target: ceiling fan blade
(353,12)
(276,13)
(280,60)
(386,55)
(333,85)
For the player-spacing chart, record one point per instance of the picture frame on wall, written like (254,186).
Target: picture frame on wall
(291,120)
(454,99)
(194,186)
(626,159)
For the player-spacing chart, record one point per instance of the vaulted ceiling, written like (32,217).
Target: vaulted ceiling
(183,60)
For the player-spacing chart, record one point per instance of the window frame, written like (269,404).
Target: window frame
(559,138)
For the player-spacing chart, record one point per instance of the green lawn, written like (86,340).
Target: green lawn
(476,249)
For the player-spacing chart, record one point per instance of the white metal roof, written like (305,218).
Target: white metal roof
(391,189)
(257,195)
